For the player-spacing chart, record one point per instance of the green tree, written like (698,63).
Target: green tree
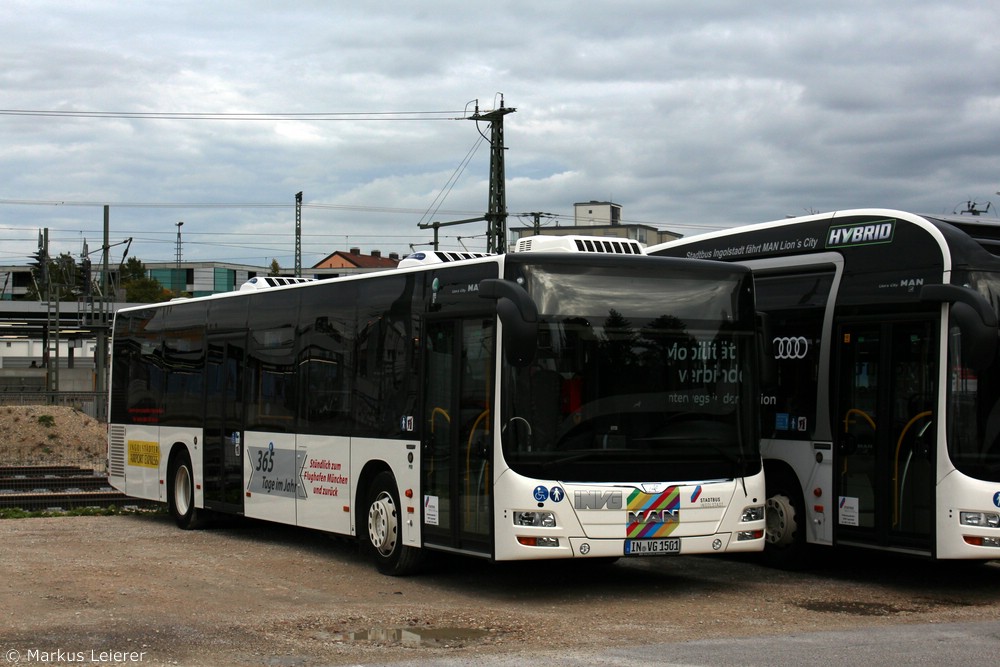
(132,269)
(139,287)
(64,280)
(275,268)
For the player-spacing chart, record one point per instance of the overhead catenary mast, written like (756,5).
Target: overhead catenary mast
(496,215)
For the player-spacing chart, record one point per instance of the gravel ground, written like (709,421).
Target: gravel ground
(249,593)
(51,435)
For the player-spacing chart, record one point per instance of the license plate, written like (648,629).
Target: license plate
(652,547)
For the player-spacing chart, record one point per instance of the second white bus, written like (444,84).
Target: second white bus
(883,427)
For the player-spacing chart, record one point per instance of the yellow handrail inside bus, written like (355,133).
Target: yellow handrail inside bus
(895,467)
(468,454)
(856,411)
(847,424)
(437,411)
(434,413)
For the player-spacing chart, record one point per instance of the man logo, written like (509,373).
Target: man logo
(790,347)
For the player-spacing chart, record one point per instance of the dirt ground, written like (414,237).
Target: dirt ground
(51,435)
(250,593)
(135,589)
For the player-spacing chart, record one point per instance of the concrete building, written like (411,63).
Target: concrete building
(600,218)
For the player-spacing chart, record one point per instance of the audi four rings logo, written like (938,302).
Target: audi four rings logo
(791,347)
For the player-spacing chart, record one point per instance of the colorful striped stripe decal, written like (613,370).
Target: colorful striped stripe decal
(652,515)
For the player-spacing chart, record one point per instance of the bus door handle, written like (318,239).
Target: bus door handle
(847,444)
(481,447)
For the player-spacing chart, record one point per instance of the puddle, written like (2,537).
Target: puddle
(426,637)
(855,608)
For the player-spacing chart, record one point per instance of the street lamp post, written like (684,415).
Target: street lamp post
(179,282)
(179,225)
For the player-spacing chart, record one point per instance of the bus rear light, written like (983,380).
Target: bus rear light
(744,535)
(985,519)
(538,541)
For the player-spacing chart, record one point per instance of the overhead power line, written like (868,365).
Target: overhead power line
(312,116)
(191,205)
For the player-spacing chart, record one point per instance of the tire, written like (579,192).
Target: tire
(180,493)
(785,535)
(381,529)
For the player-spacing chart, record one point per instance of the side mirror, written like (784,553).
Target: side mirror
(519,316)
(975,318)
(979,342)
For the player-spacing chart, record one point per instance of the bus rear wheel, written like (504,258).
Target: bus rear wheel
(180,493)
(383,527)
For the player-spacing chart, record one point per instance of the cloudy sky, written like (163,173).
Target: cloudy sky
(691,115)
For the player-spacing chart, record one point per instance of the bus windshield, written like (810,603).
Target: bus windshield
(974,400)
(640,374)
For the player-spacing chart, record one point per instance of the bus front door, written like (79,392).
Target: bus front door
(223,434)
(884,434)
(457,438)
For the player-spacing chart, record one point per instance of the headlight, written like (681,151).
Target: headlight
(752,514)
(984,519)
(540,519)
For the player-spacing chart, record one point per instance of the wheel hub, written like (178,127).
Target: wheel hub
(382,526)
(780,520)
(182,490)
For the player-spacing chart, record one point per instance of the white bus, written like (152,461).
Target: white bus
(534,405)
(883,427)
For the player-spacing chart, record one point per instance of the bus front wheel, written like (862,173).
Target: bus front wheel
(785,542)
(384,529)
(180,495)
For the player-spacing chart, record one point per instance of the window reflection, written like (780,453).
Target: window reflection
(621,391)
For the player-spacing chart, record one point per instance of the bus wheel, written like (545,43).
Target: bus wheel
(180,493)
(385,541)
(785,542)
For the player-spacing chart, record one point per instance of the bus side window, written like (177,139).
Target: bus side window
(795,304)
(326,360)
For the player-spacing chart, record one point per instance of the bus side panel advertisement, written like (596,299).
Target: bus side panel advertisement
(269,476)
(143,459)
(325,478)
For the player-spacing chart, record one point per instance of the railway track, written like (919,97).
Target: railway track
(58,487)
